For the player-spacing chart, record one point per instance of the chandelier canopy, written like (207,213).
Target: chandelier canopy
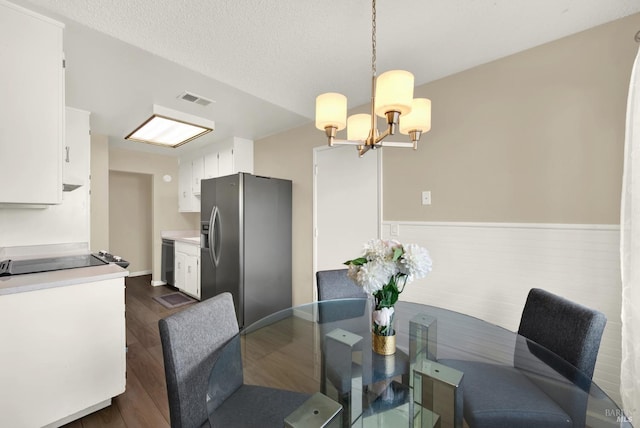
(391,98)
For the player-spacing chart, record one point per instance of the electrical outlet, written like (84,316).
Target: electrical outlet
(426,197)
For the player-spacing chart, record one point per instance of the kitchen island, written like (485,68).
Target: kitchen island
(63,347)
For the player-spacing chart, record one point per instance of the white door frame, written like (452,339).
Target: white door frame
(314,231)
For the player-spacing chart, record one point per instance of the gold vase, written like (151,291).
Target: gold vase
(383,345)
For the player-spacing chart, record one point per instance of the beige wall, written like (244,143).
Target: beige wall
(165,215)
(290,155)
(534,137)
(130,219)
(99,192)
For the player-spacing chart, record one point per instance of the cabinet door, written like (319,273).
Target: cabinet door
(197,172)
(185,195)
(242,155)
(211,165)
(192,277)
(77,143)
(225,162)
(32,107)
(180,270)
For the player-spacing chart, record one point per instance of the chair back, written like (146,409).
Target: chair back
(191,344)
(570,330)
(335,284)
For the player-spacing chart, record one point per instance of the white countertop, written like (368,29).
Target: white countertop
(186,236)
(59,278)
(190,240)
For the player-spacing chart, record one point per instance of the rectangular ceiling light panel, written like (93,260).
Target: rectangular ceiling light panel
(170,128)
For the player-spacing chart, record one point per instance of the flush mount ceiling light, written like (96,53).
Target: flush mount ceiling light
(170,128)
(391,98)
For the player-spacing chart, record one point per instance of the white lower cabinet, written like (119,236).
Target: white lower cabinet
(187,268)
(63,355)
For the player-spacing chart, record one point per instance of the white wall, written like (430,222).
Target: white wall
(99,192)
(67,222)
(486,270)
(58,224)
(130,219)
(165,215)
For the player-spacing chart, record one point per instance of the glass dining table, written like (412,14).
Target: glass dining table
(325,347)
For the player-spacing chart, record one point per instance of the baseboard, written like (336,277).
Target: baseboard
(80,414)
(158,283)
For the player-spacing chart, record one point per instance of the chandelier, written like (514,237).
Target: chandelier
(391,98)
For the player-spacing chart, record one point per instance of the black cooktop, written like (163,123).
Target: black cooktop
(18,267)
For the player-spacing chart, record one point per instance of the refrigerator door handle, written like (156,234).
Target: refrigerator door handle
(214,236)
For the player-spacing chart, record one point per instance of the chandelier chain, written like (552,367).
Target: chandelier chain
(373,38)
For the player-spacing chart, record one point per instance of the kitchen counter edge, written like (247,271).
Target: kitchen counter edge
(60,278)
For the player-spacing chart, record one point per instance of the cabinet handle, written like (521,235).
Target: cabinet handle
(67,149)
(189,269)
(179,265)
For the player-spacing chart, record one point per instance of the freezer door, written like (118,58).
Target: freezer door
(267,246)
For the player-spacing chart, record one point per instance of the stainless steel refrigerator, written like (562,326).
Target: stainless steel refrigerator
(245,243)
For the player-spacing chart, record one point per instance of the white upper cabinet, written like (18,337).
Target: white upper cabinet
(197,173)
(187,200)
(228,157)
(226,162)
(211,168)
(32,107)
(216,160)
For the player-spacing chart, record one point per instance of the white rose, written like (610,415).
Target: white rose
(383,316)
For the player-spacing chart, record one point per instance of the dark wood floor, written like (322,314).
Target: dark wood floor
(144,403)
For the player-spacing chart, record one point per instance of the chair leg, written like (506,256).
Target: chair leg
(423,336)
(319,411)
(339,357)
(437,395)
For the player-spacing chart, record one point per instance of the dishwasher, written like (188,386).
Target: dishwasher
(167,261)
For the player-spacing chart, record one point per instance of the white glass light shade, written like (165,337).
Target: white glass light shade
(419,119)
(394,92)
(358,127)
(331,110)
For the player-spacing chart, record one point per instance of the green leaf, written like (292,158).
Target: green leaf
(357,262)
(397,253)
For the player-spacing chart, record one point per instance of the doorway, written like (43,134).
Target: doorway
(130,219)
(347,205)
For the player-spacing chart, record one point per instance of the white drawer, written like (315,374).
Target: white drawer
(189,249)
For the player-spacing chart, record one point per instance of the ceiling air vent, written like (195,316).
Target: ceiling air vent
(193,98)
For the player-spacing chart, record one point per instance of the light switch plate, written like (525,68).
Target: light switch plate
(426,197)
(395,229)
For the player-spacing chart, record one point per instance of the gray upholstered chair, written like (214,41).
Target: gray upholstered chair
(354,317)
(335,284)
(550,327)
(193,343)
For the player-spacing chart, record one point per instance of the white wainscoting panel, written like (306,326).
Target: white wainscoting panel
(487,269)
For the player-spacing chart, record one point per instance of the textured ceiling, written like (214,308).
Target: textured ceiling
(279,55)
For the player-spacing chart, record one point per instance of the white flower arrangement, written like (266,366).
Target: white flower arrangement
(383,271)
